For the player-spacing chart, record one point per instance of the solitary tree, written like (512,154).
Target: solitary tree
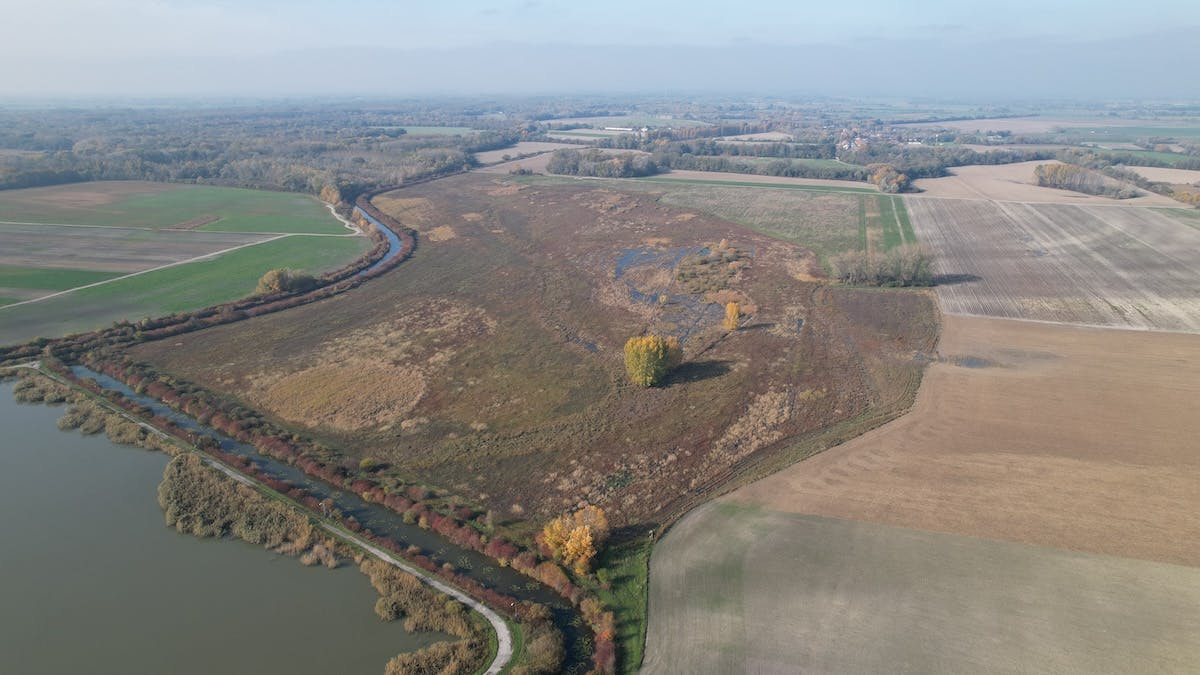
(733,314)
(649,358)
(576,538)
(283,279)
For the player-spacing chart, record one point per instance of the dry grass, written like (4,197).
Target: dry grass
(411,212)
(762,180)
(517,326)
(348,395)
(1069,437)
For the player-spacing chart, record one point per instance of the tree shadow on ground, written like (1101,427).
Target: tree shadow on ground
(695,371)
(952,279)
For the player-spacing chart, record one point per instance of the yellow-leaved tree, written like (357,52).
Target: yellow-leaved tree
(733,314)
(648,358)
(576,538)
(580,549)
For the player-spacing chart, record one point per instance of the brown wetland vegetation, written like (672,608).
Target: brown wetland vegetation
(490,364)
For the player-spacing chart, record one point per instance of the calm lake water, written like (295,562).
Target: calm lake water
(92,580)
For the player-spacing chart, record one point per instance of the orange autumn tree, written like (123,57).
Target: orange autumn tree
(648,358)
(575,539)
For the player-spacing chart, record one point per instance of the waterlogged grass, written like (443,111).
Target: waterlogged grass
(175,289)
(627,566)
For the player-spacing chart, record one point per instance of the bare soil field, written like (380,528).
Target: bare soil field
(1016,182)
(538,163)
(1064,436)
(522,148)
(110,249)
(737,589)
(503,344)
(1095,265)
(1164,175)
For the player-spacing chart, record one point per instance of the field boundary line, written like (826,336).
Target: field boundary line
(154,269)
(101,227)
(1114,204)
(1096,326)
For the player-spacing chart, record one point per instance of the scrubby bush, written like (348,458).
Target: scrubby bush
(283,279)
(1079,179)
(901,266)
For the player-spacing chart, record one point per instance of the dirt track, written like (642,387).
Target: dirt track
(1070,437)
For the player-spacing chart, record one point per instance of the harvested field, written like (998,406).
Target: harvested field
(511,334)
(736,589)
(1097,265)
(166,205)
(1016,182)
(1064,436)
(522,148)
(108,249)
(538,163)
(1172,176)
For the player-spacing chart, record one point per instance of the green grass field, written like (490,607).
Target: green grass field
(174,289)
(736,589)
(159,205)
(626,565)
(16,276)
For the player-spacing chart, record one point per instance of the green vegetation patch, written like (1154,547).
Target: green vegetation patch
(16,276)
(175,289)
(157,206)
(738,589)
(625,568)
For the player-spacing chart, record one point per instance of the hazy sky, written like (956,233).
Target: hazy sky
(373,46)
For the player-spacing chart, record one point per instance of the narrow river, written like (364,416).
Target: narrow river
(387,523)
(92,580)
